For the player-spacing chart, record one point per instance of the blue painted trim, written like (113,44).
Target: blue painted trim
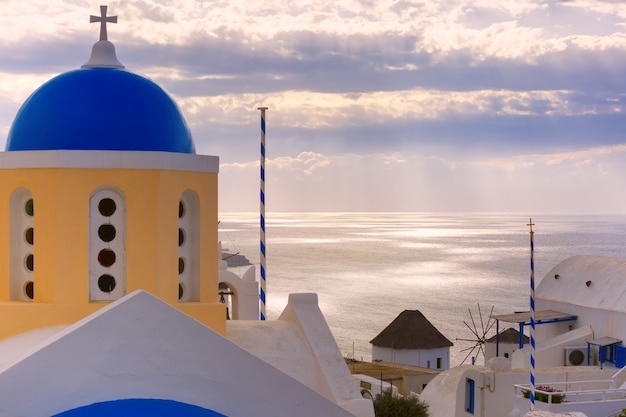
(522,324)
(139,407)
(470,389)
(620,356)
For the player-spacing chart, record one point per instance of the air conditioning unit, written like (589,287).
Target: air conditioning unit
(576,356)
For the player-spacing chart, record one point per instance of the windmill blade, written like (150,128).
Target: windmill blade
(472,330)
(480,314)
(473,322)
(491,321)
(481,350)
(489,328)
(469,348)
(479,331)
(468,354)
(466,340)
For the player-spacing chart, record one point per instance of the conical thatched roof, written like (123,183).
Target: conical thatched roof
(509,335)
(411,330)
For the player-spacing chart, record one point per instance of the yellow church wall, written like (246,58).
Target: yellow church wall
(4,244)
(61,248)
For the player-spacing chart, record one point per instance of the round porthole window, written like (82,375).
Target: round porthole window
(106,283)
(181,265)
(29,290)
(107,232)
(106,257)
(181,237)
(30,262)
(29,236)
(107,207)
(29,208)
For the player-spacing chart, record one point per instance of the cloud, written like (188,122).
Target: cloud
(433,105)
(582,158)
(581,182)
(314,110)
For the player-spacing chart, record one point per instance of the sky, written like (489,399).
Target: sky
(450,106)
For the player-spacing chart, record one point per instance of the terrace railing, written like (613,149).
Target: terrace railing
(597,398)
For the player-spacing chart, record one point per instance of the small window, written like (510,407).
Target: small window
(469,395)
(438,363)
(29,208)
(428,364)
(107,207)
(506,355)
(30,262)
(106,283)
(106,257)
(106,232)
(29,236)
(181,265)
(29,290)
(181,237)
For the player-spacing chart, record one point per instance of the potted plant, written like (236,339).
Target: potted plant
(543,393)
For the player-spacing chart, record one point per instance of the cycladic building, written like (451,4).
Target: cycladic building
(109,269)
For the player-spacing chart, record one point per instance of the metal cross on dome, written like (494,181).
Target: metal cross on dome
(103,19)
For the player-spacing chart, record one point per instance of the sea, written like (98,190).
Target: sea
(456,268)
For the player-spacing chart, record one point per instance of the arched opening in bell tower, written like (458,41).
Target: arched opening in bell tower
(107,251)
(22,252)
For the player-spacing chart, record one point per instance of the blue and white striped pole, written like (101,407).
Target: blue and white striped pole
(262,210)
(532,317)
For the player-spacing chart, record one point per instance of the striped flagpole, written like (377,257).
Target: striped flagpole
(262,210)
(532,317)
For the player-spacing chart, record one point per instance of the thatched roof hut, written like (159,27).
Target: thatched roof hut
(411,330)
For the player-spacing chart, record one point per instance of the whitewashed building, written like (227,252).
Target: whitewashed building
(411,339)
(504,344)
(114,308)
(581,307)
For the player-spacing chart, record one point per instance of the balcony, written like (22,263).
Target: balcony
(594,398)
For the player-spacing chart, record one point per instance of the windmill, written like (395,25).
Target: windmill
(479,333)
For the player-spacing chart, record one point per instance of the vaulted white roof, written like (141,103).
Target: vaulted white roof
(140,347)
(588,281)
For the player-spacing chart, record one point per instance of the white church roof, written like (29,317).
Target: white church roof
(140,347)
(300,344)
(22,345)
(588,281)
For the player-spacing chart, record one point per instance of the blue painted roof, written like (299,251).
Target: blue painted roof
(100,109)
(140,407)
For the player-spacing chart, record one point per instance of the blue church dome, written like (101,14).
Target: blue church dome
(99,108)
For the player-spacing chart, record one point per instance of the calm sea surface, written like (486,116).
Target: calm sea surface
(368,267)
